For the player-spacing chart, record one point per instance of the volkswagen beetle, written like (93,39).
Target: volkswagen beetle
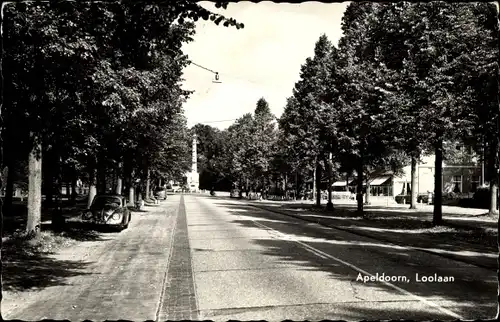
(109,210)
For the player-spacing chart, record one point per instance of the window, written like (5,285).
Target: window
(457,184)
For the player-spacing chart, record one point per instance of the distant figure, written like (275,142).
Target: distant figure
(429,197)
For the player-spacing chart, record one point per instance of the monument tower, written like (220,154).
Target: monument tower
(193,177)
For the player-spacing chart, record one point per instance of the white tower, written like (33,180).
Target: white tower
(194,161)
(193,177)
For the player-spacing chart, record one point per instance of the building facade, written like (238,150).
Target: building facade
(460,179)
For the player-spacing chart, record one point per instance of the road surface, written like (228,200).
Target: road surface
(198,257)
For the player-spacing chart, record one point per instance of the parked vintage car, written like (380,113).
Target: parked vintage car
(109,210)
(235,193)
(161,194)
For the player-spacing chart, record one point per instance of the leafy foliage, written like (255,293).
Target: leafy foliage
(107,86)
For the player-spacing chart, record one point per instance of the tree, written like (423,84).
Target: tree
(365,131)
(440,38)
(308,120)
(90,66)
(262,143)
(239,136)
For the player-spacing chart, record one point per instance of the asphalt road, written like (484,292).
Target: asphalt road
(227,260)
(252,264)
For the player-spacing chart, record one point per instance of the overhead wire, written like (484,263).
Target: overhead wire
(227,75)
(203,67)
(220,121)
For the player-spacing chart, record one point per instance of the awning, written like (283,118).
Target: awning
(341,183)
(379,181)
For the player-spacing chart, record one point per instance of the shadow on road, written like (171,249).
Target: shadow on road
(461,237)
(473,294)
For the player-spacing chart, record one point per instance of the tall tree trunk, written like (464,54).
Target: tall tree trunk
(437,218)
(9,189)
(48,179)
(101,175)
(57,220)
(367,199)
(101,181)
(493,176)
(68,190)
(131,195)
(329,204)
(414,192)
(131,192)
(119,180)
(359,190)
(148,184)
(494,198)
(314,182)
(286,186)
(318,185)
(33,224)
(92,187)
(73,184)
(296,185)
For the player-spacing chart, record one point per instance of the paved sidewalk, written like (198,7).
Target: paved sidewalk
(467,235)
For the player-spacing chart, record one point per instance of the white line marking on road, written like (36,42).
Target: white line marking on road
(317,252)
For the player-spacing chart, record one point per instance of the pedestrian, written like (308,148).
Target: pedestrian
(429,197)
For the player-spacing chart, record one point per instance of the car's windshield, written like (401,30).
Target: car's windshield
(101,202)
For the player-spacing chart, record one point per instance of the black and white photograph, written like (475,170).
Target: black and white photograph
(251,160)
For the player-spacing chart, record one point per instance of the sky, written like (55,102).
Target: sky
(261,60)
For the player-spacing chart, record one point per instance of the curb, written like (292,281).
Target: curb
(355,232)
